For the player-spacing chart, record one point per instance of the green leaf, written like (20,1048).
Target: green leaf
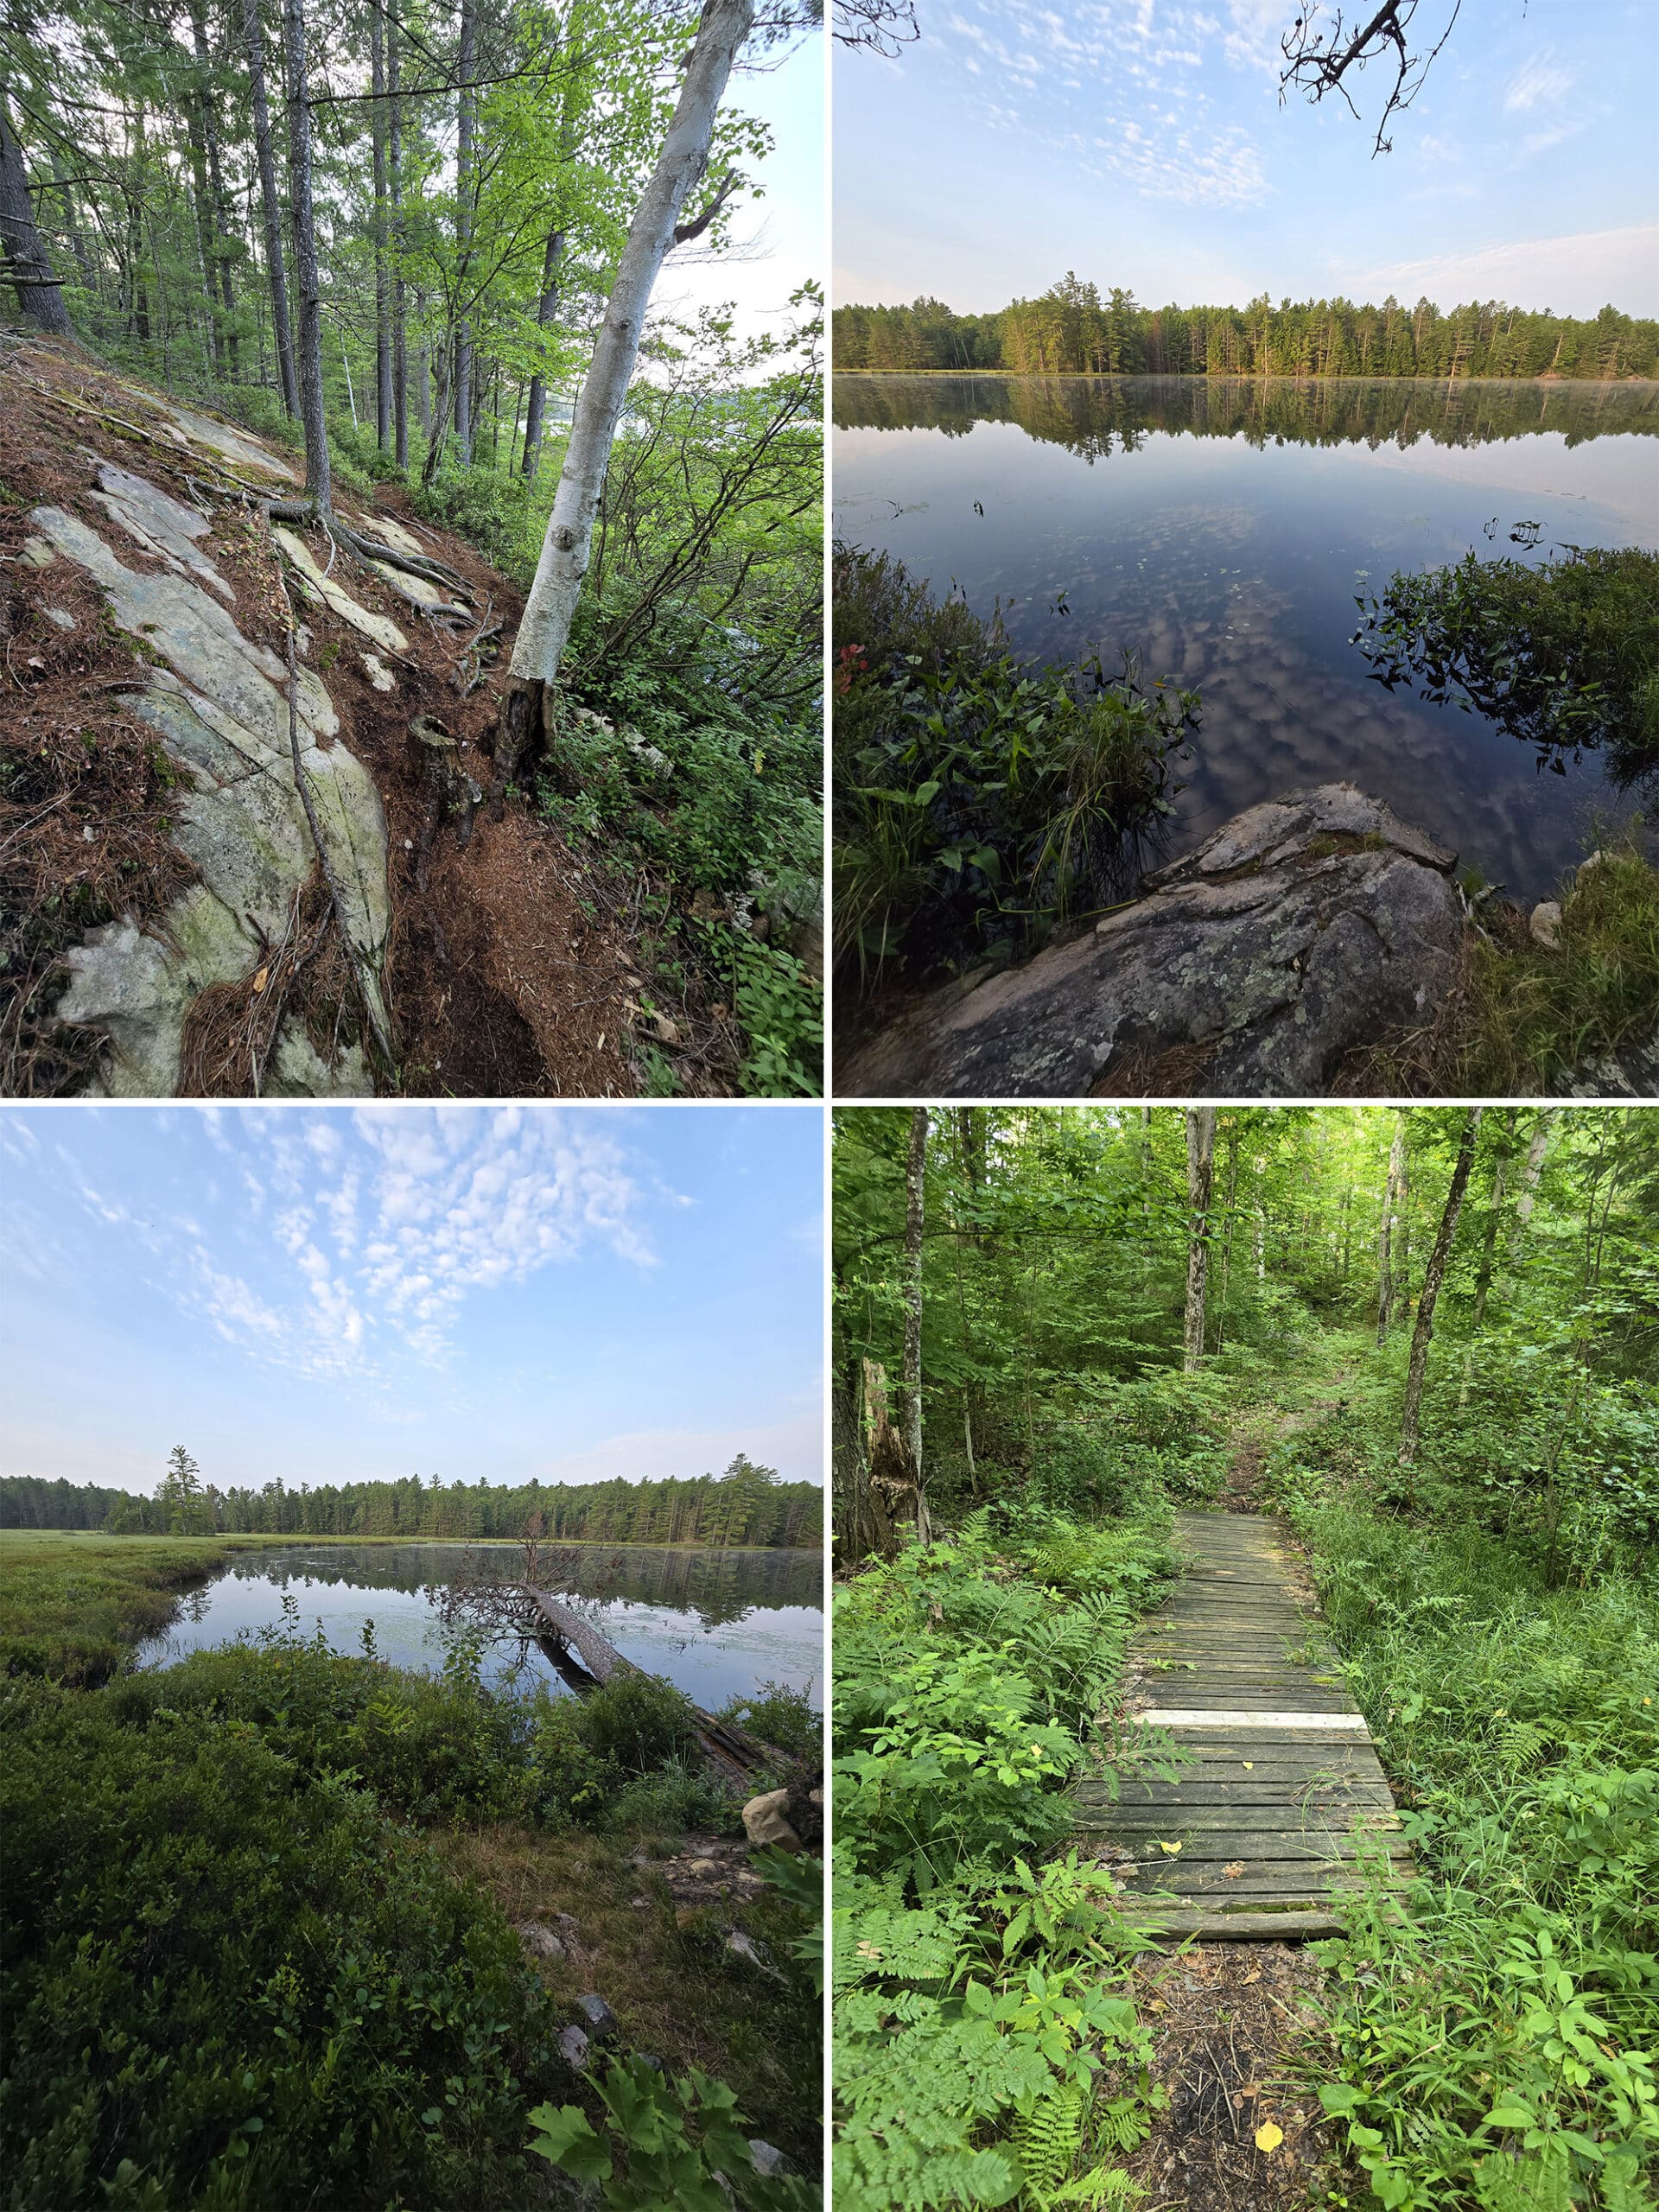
(566,2140)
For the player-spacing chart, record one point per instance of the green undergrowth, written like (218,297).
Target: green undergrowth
(978,799)
(71,1608)
(255,1943)
(1496,1611)
(981,1984)
(1539,1013)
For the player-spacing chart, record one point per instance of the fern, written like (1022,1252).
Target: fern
(1529,2184)
(1046,2137)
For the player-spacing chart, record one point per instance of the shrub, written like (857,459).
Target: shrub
(228,1981)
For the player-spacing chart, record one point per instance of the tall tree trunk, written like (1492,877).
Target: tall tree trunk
(546,311)
(219,260)
(308,284)
(1385,1233)
(395,164)
(1432,1274)
(24,263)
(1488,1253)
(1227,1244)
(915,1182)
(1527,1192)
(382,299)
(545,628)
(195,104)
(1403,1238)
(254,41)
(1200,1171)
(464,119)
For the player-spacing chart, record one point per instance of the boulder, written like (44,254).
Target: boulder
(1307,927)
(1545,924)
(573,2048)
(541,1942)
(766,1822)
(602,2023)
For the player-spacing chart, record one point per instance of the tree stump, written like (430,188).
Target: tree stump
(451,790)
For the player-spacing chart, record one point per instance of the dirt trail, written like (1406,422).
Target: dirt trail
(515,967)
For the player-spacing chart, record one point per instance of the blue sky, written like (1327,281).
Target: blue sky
(1142,142)
(324,1293)
(779,233)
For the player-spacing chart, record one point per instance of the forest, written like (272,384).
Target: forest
(747,1505)
(413,247)
(1072,330)
(1425,1343)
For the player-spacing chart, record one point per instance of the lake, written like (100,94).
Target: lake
(1221,528)
(716,1623)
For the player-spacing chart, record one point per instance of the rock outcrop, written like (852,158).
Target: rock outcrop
(1307,928)
(218,703)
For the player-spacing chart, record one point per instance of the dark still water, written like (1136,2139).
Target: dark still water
(1221,530)
(716,1623)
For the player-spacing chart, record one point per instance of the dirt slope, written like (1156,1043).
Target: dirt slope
(164,926)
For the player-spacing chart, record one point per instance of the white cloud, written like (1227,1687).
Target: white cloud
(794,1447)
(1540,82)
(1573,276)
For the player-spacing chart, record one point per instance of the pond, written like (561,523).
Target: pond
(1221,530)
(716,1623)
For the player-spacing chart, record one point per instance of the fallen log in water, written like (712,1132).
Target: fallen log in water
(733,1750)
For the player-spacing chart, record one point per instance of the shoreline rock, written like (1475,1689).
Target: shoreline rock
(1307,927)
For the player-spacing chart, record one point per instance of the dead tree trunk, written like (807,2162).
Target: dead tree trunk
(1432,1274)
(1200,1175)
(254,40)
(1487,1255)
(894,1476)
(219,258)
(23,260)
(863,1527)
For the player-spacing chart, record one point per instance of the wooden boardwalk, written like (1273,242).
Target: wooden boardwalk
(1283,1779)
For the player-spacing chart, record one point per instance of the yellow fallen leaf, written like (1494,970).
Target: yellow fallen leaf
(1233,1869)
(1249,1763)
(1171,1847)
(1268,2138)
(259,981)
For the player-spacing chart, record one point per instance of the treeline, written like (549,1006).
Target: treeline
(747,1505)
(1095,419)
(1071,330)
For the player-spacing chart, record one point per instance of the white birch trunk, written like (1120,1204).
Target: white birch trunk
(545,628)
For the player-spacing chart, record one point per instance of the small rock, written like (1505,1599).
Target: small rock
(650,2058)
(701,1866)
(1590,859)
(1546,924)
(601,2021)
(37,554)
(743,1947)
(62,619)
(666,1032)
(764,1821)
(574,2047)
(380,675)
(768,2158)
(540,1942)
(640,1904)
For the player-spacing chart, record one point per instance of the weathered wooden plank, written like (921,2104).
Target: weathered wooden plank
(1277,1790)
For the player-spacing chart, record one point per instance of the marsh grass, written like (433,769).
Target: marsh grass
(71,1604)
(1536,1013)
